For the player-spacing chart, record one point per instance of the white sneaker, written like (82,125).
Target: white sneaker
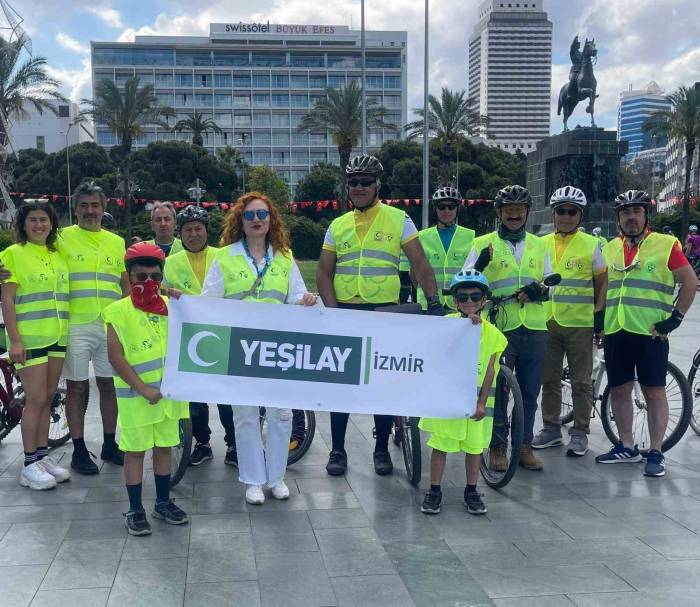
(35,477)
(60,474)
(280,491)
(254,494)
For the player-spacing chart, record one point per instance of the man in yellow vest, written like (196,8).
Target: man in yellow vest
(163,222)
(186,271)
(643,269)
(359,270)
(515,261)
(446,245)
(575,314)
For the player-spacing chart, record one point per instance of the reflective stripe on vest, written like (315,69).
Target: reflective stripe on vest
(445,264)
(368,269)
(240,279)
(642,295)
(178,272)
(571,302)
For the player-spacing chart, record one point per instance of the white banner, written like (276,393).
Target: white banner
(323,359)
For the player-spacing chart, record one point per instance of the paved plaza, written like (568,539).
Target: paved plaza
(576,534)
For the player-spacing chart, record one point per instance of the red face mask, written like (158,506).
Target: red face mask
(146,296)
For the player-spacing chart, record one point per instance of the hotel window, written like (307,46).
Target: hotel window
(280,81)
(241,81)
(222,81)
(280,100)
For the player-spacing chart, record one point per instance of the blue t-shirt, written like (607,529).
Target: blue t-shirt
(446,235)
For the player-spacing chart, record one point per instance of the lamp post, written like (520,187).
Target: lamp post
(241,163)
(426,124)
(197,191)
(364,79)
(70,195)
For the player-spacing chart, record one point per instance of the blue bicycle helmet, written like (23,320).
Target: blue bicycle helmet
(470,278)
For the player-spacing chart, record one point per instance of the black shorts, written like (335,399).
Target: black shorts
(630,355)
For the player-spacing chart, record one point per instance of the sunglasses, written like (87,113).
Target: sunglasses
(144,276)
(250,215)
(465,297)
(569,212)
(365,183)
(446,207)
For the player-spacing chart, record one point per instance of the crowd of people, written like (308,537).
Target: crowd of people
(77,296)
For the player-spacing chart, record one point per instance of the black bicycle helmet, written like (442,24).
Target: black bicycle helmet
(513,194)
(364,164)
(108,221)
(633,198)
(447,193)
(190,214)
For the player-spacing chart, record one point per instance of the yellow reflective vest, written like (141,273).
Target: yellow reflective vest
(178,272)
(571,302)
(41,300)
(175,248)
(241,282)
(95,265)
(368,269)
(144,338)
(506,276)
(641,294)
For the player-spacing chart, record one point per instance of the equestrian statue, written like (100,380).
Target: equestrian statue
(582,83)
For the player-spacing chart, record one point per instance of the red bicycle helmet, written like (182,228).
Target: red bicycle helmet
(144,252)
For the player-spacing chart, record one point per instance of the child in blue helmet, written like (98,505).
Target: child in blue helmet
(471,436)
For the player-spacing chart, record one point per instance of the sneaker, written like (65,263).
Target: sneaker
(620,455)
(548,437)
(280,491)
(431,502)
(382,463)
(528,459)
(170,513)
(200,454)
(337,463)
(474,503)
(655,463)
(35,477)
(137,523)
(60,474)
(498,459)
(231,458)
(112,453)
(82,463)
(578,445)
(254,495)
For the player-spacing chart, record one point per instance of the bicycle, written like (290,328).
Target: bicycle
(694,383)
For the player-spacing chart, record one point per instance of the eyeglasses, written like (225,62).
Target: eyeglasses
(446,206)
(250,215)
(465,297)
(569,212)
(144,276)
(365,183)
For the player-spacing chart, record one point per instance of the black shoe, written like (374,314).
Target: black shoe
(473,503)
(431,502)
(382,463)
(231,458)
(200,454)
(82,463)
(170,513)
(337,463)
(112,453)
(137,523)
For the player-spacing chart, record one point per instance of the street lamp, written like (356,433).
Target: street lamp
(71,124)
(197,191)
(241,162)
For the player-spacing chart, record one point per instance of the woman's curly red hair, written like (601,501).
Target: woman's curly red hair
(233,224)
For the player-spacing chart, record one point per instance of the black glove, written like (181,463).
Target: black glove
(664,327)
(483,260)
(598,321)
(435,308)
(533,291)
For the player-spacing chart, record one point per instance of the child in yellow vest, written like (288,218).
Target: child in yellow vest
(137,339)
(471,436)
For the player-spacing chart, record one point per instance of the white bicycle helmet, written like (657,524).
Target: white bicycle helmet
(568,195)
(597,231)
(693,228)
(447,193)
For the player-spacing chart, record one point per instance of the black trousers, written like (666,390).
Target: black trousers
(199,412)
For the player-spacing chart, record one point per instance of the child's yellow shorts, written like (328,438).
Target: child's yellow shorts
(165,433)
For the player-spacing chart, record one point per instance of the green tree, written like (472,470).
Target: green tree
(681,122)
(320,184)
(233,158)
(198,125)
(340,112)
(265,180)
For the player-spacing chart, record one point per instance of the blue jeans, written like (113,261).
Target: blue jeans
(524,355)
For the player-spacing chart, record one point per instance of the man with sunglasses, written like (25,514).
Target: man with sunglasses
(359,270)
(575,314)
(643,269)
(515,261)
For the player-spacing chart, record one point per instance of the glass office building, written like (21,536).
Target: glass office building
(635,109)
(256,81)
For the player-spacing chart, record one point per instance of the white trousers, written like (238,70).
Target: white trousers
(258,465)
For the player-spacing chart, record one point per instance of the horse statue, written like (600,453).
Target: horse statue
(582,83)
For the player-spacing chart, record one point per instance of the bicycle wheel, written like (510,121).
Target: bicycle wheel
(180,454)
(567,402)
(694,383)
(508,396)
(309,430)
(58,424)
(680,410)
(411,446)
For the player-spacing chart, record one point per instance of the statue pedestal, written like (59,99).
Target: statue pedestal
(587,158)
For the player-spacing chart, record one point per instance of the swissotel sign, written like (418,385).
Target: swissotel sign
(275,28)
(323,359)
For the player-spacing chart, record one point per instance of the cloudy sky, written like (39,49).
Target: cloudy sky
(638,40)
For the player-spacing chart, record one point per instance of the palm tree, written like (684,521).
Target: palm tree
(340,112)
(447,118)
(125,113)
(681,122)
(199,125)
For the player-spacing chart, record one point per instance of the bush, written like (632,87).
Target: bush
(7,238)
(307,237)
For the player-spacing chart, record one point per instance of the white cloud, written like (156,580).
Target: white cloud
(109,16)
(76,84)
(71,44)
